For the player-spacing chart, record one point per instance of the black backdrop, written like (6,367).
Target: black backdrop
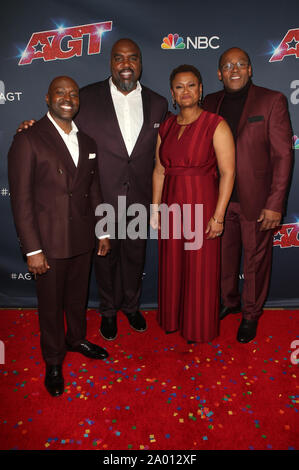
(69,39)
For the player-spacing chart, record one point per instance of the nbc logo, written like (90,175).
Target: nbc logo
(173,41)
(295,142)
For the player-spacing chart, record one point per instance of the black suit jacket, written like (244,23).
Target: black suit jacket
(121,174)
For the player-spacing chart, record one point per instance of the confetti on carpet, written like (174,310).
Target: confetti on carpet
(154,391)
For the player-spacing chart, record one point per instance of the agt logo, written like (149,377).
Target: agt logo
(287,236)
(295,142)
(295,94)
(288,46)
(8,96)
(175,41)
(64,43)
(21,276)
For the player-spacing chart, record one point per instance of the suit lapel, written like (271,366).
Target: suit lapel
(219,102)
(246,109)
(110,118)
(78,169)
(56,142)
(146,119)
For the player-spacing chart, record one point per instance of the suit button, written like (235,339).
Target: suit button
(92,172)
(60,171)
(85,195)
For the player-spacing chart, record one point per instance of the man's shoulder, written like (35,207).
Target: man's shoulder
(266,92)
(154,95)
(89,90)
(33,131)
(211,100)
(214,96)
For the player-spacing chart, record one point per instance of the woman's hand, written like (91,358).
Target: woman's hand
(155,219)
(214,228)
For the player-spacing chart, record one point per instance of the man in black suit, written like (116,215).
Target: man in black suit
(123,117)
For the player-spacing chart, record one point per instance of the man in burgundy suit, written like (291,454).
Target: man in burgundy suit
(260,123)
(54,188)
(123,118)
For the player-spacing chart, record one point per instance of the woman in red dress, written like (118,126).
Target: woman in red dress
(189,203)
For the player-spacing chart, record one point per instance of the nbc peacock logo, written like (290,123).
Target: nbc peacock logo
(173,41)
(295,142)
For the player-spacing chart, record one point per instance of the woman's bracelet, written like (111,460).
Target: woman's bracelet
(217,221)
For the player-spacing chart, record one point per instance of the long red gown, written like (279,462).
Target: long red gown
(188,291)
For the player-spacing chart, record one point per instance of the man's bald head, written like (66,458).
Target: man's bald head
(127,42)
(63,99)
(125,65)
(63,79)
(228,51)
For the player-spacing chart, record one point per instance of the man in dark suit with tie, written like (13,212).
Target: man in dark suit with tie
(123,118)
(54,188)
(260,123)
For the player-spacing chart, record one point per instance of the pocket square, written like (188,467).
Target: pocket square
(92,155)
(156,125)
(256,118)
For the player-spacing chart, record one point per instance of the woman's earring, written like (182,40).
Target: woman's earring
(174,103)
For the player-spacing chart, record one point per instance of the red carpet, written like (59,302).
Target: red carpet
(154,391)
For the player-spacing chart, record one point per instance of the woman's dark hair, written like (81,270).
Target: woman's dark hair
(185,68)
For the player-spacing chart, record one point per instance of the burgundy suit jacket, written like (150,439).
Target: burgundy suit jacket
(53,201)
(263,149)
(121,174)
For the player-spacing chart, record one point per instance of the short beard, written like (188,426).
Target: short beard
(126,86)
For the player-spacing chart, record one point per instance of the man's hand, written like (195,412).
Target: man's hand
(37,264)
(25,125)
(104,247)
(270,219)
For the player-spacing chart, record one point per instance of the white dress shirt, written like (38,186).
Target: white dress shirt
(129,112)
(71,141)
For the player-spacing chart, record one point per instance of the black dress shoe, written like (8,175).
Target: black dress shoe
(88,349)
(137,321)
(108,328)
(224,311)
(54,381)
(247,331)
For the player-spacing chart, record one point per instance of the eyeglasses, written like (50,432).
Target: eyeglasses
(230,65)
